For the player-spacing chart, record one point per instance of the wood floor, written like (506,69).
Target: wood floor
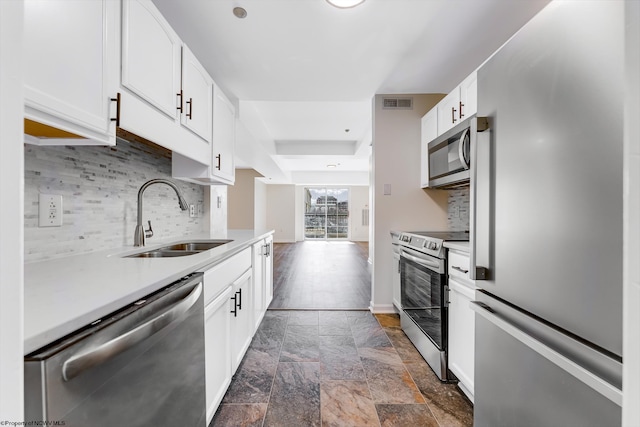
(321,275)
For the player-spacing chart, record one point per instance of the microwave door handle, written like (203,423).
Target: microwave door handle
(461,143)
(79,363)
(423,262)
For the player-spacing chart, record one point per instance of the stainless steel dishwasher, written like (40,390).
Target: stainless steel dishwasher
(140,366)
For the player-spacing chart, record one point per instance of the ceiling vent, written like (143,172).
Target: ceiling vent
(397,103)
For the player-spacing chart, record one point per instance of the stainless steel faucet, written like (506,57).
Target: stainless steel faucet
(141,233)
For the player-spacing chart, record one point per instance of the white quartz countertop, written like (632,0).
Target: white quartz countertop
(458,246)
(64,294)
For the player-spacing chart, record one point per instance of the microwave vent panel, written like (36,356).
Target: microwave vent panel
(397,103)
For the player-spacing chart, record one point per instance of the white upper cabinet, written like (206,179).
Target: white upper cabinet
(150,56)
(429,131)
(224,137)
(221,169)
(152,105)
(448,111)
(70,71)
(468,96)
(196,96)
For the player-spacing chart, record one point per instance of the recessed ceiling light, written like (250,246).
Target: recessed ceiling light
(331,166)
(240,12)
(345,4)
(347,130)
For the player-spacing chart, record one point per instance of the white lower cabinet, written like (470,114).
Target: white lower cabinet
(234,297)
(268,272)
(461,322)
(242,327)
(262,277)
(217,331)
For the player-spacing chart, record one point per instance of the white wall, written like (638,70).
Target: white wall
(11,212)
(281,212)
(396,161)
(631,316)
(359,201)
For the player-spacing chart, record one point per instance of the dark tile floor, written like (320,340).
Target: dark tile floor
(337,368)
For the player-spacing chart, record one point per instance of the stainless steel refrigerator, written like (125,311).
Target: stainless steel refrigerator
(547,205)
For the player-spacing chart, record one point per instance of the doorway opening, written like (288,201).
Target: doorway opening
(326,213)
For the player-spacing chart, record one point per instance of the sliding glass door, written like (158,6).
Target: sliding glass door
(326,213)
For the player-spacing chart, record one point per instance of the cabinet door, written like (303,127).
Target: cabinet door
(448,111)
(217,333)
(224,136)
(71,67)
(468,96)
(268,272)
(258,282)
(429,132)
(461,335)
(150,56)
(196,96)
(241,318)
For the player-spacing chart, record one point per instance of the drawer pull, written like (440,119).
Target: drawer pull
(459,269)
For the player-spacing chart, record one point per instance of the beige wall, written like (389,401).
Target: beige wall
(396,161)
(260,206)
(241,200)
(281,212)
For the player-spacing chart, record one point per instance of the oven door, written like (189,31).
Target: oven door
(424,309)
(422,281)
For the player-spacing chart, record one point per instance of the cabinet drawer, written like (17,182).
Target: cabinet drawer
(458,265)
(218,277)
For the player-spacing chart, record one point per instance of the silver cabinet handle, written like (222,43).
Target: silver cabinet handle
(79,363)
(589,378)
(459,269)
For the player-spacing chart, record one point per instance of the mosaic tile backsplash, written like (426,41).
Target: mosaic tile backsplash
(99,188)
(458,209)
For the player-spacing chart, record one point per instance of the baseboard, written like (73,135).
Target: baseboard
(382,308)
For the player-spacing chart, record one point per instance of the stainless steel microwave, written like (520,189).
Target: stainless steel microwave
(449,158)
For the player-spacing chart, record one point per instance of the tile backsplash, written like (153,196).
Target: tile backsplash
(458,209)
(99,187)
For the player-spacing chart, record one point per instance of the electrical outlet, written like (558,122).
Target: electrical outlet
(192,211)
(50,210)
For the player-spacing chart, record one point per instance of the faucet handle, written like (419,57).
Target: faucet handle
(149,233)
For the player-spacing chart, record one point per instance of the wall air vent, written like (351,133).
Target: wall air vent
(397,103)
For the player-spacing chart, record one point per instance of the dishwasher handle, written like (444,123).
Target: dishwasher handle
(79,363)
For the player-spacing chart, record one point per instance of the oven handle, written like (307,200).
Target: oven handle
(78,363)
(433,265)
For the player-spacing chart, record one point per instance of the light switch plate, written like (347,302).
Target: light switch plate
(49,210)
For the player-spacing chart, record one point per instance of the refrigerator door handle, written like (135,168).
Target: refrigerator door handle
(589,378)
(79,363)
(480,199)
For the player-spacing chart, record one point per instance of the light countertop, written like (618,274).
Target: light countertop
(64,294)
(458,246)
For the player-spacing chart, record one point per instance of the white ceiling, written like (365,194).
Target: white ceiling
(301,72)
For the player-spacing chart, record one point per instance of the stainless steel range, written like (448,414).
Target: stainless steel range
(424,294)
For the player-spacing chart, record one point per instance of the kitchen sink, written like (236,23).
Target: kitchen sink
(157,253)
(180,249)
(196,246)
